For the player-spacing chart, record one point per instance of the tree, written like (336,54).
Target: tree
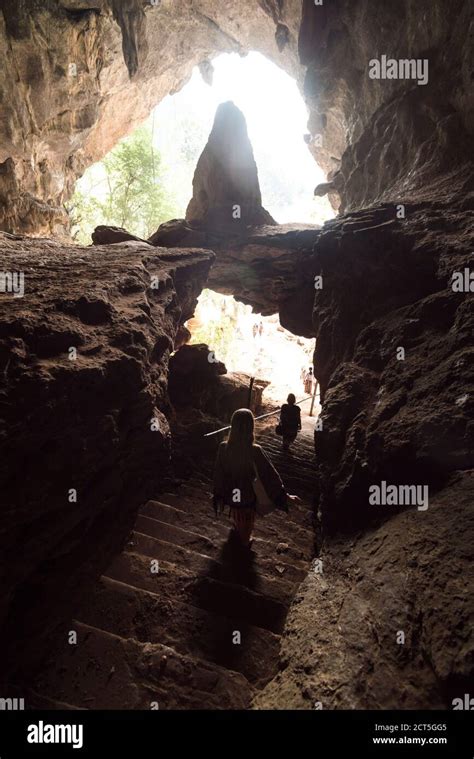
(129,194)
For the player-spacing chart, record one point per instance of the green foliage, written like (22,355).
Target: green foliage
(219,329)
(129,192)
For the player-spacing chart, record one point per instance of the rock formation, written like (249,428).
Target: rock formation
(84,428)
(267,267)
(226,192)
(394,374)
(394,359)
(91,71)
(198,381)
(105,235)
(389,138)
(385,618)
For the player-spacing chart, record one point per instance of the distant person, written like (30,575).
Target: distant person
(260,329)
(290,421)
(255,330)
(308,381)
(240,461)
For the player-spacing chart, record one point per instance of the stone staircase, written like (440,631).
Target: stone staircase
(183,618)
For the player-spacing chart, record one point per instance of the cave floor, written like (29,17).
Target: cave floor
(182,619)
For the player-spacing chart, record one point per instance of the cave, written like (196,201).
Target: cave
(121,589)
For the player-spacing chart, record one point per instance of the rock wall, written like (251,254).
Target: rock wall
(387,139)
(393,354)
(385,620)
(199,381)
(83,359)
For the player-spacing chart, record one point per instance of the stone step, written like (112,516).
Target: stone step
(218,529)
(298,467)
(300,515)
(198,629)
(286,464)
(299,461)
(234,566)
(305,457)
(266,560)
(176,583)
(106,671)
(275,527)
(192,488)
(295,470)
(172,582)
(186,538)
(134,613)
(303,453)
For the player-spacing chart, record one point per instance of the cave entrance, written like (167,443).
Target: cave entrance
(147,178)
(255,345)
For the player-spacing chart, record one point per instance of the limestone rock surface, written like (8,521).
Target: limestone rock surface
(226,191)
(84,410)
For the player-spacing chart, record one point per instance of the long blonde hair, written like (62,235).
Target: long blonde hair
(239,448)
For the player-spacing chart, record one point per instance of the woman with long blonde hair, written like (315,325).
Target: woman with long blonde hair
(240,464)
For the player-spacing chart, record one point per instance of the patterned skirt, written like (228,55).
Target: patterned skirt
(243,518)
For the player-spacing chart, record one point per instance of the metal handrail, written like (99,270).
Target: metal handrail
(262,416)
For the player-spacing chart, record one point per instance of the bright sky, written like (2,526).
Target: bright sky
(277,122)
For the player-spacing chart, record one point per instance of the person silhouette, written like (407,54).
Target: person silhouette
(239,464)
(308,381)
(290,421)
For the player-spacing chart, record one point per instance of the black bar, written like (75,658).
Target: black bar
(167,733)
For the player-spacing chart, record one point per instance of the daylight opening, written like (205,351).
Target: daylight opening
(257,345)
(147,178)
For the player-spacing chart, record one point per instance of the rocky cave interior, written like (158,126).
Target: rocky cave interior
(105,468)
